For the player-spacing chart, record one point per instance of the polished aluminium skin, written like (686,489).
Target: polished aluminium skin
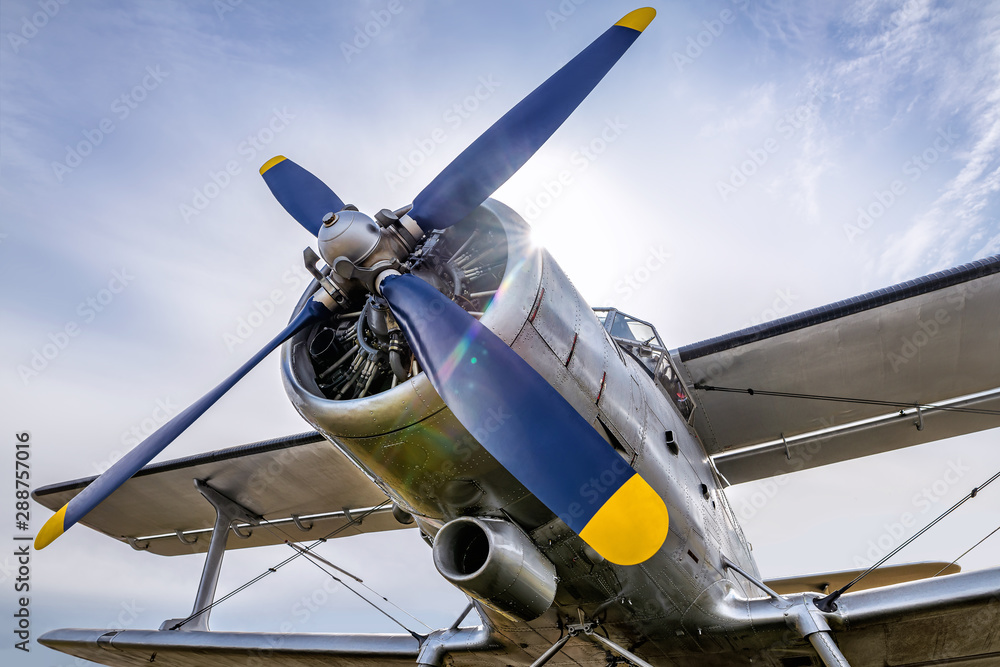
(407,440)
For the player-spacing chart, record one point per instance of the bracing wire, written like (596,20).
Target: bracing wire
(843,399)
(827,603)
(292,542)
(964,553)
(311,558)
(275,568)
(360,581)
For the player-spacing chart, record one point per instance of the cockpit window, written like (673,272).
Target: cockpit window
(623,326)
(642,342)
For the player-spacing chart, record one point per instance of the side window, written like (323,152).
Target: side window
(667,378)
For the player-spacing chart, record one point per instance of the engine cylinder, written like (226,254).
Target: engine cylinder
(495,562)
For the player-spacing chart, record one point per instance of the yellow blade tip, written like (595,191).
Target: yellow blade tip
(631,526)
(638,19)
(270,163)
(52,529)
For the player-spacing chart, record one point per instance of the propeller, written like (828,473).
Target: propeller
(534,432)
(504,148)
(303,195)
(102,487)
(491,159)
(541,439)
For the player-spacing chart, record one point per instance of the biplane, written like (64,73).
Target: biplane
(565,467)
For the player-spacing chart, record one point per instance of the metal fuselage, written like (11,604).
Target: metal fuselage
(410,444)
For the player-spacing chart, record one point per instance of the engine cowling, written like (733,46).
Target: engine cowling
(495,562)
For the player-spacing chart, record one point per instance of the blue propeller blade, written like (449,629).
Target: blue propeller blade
(504,148)
(528,427)
(143,453)
(303,195)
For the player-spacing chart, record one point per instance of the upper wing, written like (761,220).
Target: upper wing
(933,342)
(302,476)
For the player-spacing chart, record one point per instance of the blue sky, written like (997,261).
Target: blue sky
(780,156)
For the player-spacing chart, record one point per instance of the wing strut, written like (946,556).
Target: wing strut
(226,512)
(802,616)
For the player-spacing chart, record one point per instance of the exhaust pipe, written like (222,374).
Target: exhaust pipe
(495,562)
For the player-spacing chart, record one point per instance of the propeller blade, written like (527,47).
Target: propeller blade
(302,194)
(528,427)
(143,453)
(504,148)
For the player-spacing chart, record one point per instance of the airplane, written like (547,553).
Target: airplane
(453,375)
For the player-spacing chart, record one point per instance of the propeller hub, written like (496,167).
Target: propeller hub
(350,234)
